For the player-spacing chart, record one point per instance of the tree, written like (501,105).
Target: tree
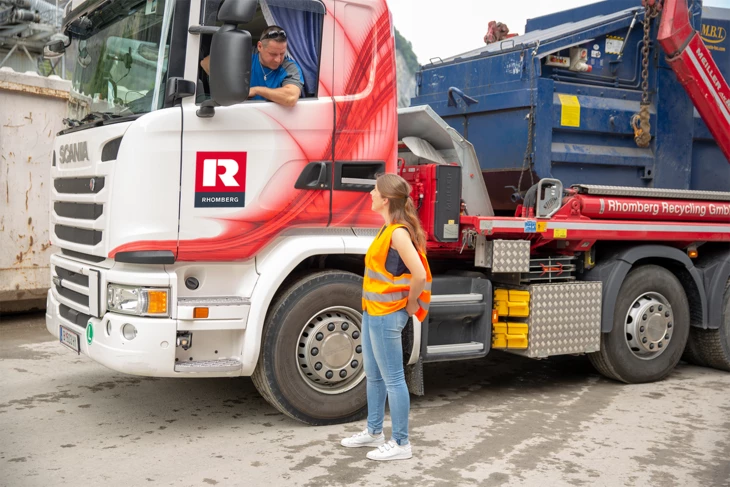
(404,46)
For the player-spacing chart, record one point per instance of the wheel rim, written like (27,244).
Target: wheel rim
(329,350)
(649,326)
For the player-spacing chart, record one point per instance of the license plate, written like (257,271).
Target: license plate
(70,339)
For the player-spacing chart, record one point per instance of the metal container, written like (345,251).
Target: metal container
(582,130)
(31,113)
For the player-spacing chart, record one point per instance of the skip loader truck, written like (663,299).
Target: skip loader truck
(202,234)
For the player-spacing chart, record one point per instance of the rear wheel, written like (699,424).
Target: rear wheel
(711,348)
(650,328)
(310,366)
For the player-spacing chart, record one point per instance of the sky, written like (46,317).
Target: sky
(443,28)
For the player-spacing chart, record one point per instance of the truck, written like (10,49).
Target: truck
(201,234)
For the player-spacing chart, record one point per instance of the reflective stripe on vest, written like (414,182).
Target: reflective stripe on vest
(384,293)
(385,298)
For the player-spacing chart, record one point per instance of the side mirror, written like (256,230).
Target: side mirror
(177,89)
(230,65)
(230,57)
(51,52)
(56,47)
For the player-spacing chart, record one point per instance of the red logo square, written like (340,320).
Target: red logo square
(220,172)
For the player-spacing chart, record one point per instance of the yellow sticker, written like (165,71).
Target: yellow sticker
(541,227)
(570,113)
(451,222)
(560,233)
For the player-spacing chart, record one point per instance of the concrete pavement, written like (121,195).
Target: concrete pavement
(503,420)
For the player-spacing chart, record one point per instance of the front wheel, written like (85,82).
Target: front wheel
(650,328)
(310,366)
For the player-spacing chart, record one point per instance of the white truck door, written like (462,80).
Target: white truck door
(240,168)
(365,95)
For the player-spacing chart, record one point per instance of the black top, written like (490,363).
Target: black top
(393,263)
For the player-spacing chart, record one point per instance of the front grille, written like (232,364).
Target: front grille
(82,211)
(78,235)
(79,204)
(73,296)
(89,185)
(74,277)
(75,317)
(73,286)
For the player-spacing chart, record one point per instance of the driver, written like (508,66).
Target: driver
(274,75)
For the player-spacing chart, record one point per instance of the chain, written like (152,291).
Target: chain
(527,160)
(642,131)
(645,56)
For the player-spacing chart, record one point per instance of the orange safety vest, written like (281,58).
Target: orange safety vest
(382,292)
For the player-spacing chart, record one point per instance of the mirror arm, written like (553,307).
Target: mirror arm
(202,29)
(207,109)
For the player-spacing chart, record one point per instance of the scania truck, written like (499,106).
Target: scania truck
(201,234)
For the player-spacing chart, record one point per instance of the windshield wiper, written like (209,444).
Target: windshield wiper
(95,119)
(91,117)
(99,118)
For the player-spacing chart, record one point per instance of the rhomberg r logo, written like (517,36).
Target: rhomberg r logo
(220,179)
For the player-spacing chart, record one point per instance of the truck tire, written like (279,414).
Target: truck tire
(650,328)
(310,365)
(711,348)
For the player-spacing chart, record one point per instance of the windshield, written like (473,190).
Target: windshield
(121,54)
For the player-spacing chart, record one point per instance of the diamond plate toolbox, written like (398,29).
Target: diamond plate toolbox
(564,319)
(508,256)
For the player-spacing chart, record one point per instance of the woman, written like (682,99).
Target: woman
(397,285)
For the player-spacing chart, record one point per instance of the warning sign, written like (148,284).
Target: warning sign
(614,45)
(570,113)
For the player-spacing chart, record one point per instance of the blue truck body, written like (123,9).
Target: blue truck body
(582,129)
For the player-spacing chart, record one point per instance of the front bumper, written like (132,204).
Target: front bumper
(150,353)
(77,301)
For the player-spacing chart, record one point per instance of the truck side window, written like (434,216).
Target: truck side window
(302,20)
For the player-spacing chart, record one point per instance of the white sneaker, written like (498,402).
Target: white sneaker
(363,438)
(391,451)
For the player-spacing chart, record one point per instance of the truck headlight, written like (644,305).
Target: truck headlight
(140,301)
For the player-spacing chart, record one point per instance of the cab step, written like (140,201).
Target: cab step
(207,366)
(456,348)
(457,298)
(459,321)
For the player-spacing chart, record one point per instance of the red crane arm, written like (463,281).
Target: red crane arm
(696,70)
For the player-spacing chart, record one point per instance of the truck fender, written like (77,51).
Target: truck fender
(716,272)
(613,271)
(274,265)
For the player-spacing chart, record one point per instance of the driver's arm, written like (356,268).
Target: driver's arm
(291,88)
(205,64)
(287,95)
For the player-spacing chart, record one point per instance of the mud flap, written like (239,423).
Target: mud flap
(414,378)
(413,371)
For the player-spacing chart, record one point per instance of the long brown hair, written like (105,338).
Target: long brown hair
(401,208)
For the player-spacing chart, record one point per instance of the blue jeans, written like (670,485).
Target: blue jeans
(383,362)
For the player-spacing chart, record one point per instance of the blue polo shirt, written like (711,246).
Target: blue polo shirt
(289,73)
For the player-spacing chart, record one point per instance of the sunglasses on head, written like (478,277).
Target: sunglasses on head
(275,34)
